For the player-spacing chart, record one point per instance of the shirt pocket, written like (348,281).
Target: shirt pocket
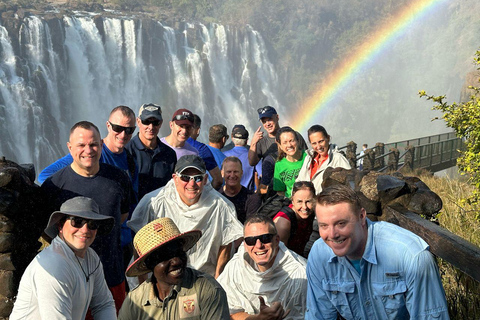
(337,294)
(392,295)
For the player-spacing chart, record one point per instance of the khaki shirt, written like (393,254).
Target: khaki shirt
(198,297)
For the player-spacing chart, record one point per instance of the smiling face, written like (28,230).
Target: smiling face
(270,124)
(320,143)
(86,148)
(232,173)
(263,254)
(171,263)
(116,141)
(180,133)
(343,229)
(190,191)
(149,132)
(302,202)
(78,239)
(288,144)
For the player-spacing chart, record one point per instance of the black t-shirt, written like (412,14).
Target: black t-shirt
(112,191)
(246,203)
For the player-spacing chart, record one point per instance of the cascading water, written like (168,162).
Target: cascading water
(61,71)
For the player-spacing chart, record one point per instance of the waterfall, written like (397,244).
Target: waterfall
(55,72)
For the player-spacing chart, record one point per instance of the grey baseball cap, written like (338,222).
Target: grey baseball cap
(190,161)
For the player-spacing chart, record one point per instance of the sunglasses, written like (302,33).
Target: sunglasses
(119,129)
(186,178)
(264,238)
(180,117)
(264,109)
(147,122)
(78,222)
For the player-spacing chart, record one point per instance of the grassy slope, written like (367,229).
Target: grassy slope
(463,293)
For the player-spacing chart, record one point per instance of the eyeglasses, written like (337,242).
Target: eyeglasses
(180,117)
(265,109)
(186,178)
(264,238)
(119,129)
(147,122)
(78,222)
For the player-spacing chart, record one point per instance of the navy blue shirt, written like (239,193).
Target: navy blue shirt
(112,191)
(155,166)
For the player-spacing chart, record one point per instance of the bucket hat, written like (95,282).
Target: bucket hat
(82,207)
(154,236)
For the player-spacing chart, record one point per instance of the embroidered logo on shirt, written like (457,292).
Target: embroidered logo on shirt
(188,306)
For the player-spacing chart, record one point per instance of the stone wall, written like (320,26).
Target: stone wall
(21,222)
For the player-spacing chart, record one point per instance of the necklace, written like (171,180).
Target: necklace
(87,274)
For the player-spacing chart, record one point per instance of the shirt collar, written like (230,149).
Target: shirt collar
(151,298)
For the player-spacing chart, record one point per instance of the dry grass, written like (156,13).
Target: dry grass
(463,293)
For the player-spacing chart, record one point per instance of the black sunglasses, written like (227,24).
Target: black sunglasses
(119,129)
(264,238)
(186,178)
(264,109)
(180,117)
(147,122)
(78,222)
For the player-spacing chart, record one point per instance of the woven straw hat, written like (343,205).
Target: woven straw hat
(153,237)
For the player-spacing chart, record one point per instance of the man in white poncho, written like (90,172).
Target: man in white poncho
(265,280)
(192,203)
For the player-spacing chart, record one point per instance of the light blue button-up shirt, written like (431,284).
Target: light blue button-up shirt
(399,279)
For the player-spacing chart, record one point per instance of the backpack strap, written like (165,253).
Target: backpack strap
(293,220)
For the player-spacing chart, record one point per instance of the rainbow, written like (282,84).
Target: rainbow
(360,57)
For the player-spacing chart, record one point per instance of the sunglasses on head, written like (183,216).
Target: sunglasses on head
(264,238)
(264,109)
(119,129)
(186,178)
(78,222)
(180,117)
(147,122)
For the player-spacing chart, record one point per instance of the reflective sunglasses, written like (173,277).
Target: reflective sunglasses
(264,238)
(119,129)
(78,222)
(180,117)
(147,122)
(186,178)
(264,109)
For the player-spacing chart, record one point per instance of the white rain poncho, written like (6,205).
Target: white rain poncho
(285,281)
(213,214)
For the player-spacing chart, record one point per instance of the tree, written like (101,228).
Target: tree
(464,118)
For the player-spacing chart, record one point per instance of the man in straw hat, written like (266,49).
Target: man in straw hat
(173,291)
(191,203)
(67,278)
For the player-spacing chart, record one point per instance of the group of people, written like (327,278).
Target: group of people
(182,220)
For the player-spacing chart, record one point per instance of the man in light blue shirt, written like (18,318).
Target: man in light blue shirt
(369,270)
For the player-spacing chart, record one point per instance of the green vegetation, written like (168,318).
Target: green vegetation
(463,293)
(464,118)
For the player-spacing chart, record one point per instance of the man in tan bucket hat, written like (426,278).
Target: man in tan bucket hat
(174,291)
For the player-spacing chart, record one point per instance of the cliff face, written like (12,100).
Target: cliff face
(62,67)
